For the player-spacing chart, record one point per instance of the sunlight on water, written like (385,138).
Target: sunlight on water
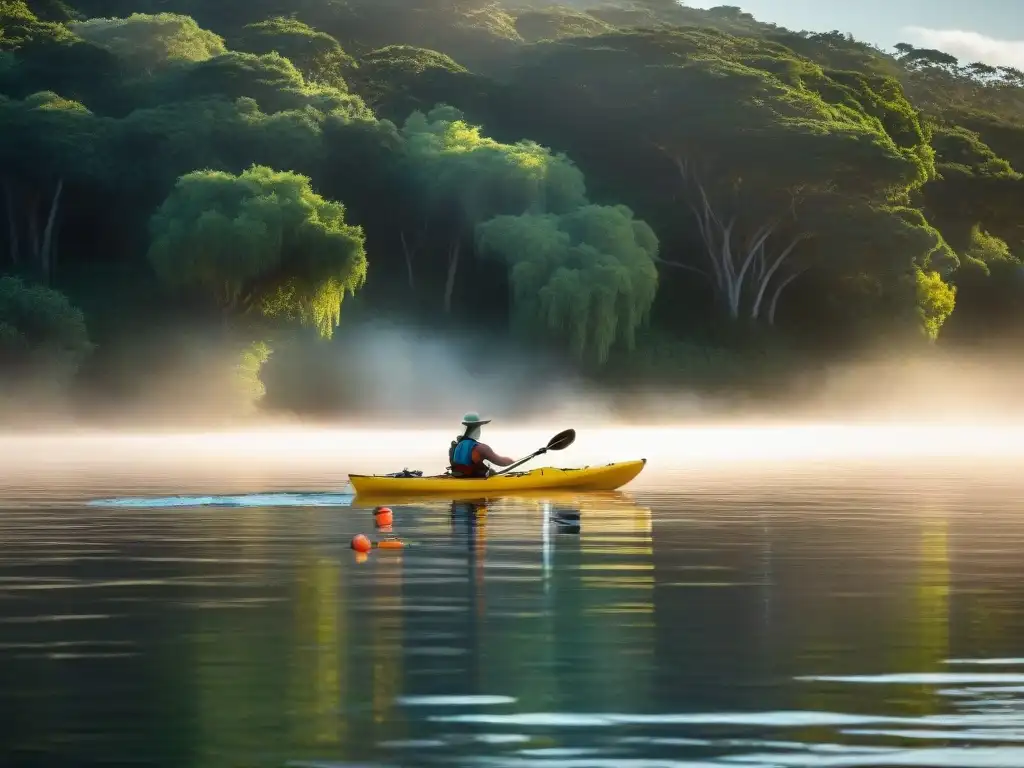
(826,596)
(247,500)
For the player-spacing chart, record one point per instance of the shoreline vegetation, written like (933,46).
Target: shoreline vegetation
(341,209)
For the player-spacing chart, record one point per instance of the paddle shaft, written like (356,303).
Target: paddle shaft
(510,467)
(557,443)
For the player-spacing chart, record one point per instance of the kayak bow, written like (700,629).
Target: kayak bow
(603,478)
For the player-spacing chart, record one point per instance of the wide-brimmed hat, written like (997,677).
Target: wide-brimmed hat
(474,420)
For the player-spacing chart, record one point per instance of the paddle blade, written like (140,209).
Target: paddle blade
(562,440)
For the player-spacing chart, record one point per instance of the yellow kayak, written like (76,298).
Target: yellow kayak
(603,478)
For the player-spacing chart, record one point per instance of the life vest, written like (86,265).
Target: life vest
(464,459)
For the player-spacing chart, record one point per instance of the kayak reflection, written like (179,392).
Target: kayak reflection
(469,516)
(598,583)
(596,520)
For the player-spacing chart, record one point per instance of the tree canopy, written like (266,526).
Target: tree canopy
(586,179)
(147,43)
(317,55)
(42,336)
(588,275)
(260,241)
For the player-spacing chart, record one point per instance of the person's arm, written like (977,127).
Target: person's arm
(487,453)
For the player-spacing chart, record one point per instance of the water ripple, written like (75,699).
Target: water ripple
(814,615)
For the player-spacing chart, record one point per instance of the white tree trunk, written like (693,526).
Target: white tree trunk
(46,249)
(756,310)
(737,272)
(453,265)
(755,250)
(408,253)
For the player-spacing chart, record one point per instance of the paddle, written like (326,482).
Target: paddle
(557,443)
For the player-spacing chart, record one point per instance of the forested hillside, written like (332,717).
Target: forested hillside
(647,191)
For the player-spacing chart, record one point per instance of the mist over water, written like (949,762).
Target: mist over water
(817,594)
(388,374)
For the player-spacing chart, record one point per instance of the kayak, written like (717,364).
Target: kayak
(603,478)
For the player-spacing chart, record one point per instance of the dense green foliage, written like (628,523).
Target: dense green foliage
(147,43)
(588,274)
(43,339)
(609,181)
(261,241)
(316,54)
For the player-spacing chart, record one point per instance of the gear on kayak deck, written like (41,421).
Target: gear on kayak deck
(601,478)
(407,473)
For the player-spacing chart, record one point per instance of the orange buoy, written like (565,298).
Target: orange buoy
(390,544)
(383,516)
(361,544)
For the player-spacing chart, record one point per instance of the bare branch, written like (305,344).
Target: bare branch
(704,227)
(774,303)
(763,234)
(707,203)
(771,272)
(681,265)
(759,263)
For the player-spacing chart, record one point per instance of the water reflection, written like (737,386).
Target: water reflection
(513,609)
(859,621)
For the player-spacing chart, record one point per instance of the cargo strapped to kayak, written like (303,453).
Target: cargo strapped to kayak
(407,473)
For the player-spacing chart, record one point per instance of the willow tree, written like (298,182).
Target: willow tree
(147,43)
(588,275)
(262,242)
(466,178)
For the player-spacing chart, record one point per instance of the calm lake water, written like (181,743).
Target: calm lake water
(818,609)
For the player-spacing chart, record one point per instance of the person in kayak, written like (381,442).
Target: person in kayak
(467,454)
